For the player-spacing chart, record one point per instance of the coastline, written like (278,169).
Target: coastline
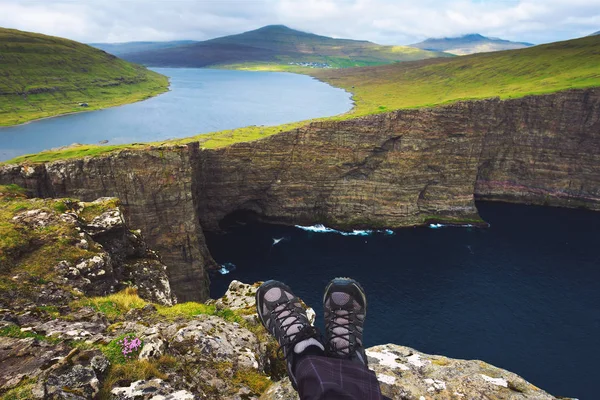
(89,109)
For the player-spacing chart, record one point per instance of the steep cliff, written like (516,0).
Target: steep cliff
(397,169)
(155,188)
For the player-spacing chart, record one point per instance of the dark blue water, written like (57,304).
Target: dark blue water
(200,101)
(523,294)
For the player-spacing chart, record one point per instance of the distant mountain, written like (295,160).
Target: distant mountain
(274,44)
(595,33)
(469,44)
(119,49)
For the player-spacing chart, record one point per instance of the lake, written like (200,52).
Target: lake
(200,101)
(522,295)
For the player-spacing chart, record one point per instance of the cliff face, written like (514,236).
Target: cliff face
(396,169)
(155,188)
(386,170)
(543,150)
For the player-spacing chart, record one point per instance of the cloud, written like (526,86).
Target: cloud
(381,21)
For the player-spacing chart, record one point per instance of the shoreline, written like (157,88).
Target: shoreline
(86,110)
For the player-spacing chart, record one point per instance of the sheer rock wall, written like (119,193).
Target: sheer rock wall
(395,169)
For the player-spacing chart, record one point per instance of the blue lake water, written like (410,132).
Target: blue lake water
(523,294)
(200,101)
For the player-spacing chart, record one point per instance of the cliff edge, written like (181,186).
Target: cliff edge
(402,168)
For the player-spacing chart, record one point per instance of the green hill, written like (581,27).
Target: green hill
(512,73)
(469,44)
(278,44)
(43,76)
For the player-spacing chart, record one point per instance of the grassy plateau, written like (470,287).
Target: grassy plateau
(426,83)
(43,76)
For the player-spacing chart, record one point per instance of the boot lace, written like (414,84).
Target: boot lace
(347,325)
(286,320)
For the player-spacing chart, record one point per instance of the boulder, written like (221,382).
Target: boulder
(154,389)
(26,358)
(405,373)
(76,376)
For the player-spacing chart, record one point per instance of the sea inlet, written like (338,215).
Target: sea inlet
(523,294)
(199,101)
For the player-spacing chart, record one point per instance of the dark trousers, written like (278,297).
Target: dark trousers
(324,378)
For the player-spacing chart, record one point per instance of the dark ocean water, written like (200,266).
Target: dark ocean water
(200,101)
(522,295)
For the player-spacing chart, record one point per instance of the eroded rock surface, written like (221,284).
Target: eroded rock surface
(406,374)
(93,252)
(208,357)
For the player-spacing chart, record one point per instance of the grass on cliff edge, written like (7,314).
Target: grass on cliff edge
(32,250)
(506,74)
(43,76)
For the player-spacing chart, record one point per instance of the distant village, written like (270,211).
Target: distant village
(311,64)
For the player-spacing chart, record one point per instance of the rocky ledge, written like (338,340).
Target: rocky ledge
(191,352)
(86,312)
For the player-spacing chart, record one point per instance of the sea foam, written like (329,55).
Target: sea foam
(320,228)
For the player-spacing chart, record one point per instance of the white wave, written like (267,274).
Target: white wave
(277,240)
(436,226)
(226,268)
(320,228)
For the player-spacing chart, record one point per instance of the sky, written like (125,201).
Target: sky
(381,21)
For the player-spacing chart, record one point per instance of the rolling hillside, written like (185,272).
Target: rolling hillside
(427,83)
(280,45)
(512,73)
(469,44)
(43,76)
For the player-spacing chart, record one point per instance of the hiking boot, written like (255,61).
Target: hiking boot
(345,308)
(282,315)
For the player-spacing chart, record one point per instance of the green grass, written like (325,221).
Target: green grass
(114,306)
(507,74)
(24,391)
(14,331)
(35,250)
(43,76)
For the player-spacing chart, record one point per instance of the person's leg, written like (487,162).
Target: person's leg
(281,314)
(313,375)
(345,309)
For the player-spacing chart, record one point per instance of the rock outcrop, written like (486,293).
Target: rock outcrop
(397,169)
(211,353)
(59,250)
(405,373)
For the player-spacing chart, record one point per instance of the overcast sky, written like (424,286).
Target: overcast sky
(381,21)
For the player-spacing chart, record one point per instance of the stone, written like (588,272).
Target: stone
(406,373)
(76,376)
(238,296)
(210,338)
(154,347)
(71,330)
(26,358)
(151,280)
(154,389)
